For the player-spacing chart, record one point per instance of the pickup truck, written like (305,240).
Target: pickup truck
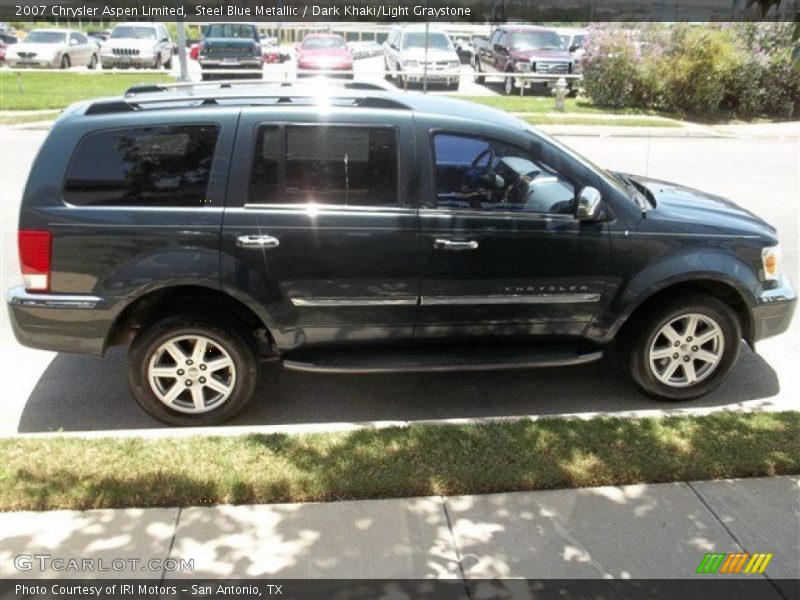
(523,49)
(230,46)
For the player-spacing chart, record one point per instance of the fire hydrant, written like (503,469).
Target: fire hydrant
(560,91)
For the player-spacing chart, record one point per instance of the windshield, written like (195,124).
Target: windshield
(435,40)
(333,42)
(138,33)
(231,30)
(536,40)
(46,37)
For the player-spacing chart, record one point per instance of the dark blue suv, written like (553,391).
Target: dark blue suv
(351,229)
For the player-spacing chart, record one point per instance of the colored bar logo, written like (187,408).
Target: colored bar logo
(734,562)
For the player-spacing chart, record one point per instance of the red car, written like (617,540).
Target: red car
(325,54)
(194,50)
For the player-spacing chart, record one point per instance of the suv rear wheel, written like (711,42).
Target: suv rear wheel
(685,348)
(192,370)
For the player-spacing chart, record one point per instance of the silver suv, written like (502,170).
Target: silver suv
(405,56)
(138,45)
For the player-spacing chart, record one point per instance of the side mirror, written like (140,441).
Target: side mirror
(590,205)
(573,48)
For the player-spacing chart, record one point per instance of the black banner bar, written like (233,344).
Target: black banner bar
(388,11)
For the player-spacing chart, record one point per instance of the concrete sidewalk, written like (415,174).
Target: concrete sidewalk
(638,531)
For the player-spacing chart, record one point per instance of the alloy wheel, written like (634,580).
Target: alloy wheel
(686,350)
(192,374)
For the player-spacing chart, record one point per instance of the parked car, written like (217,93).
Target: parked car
(389,232)
(324,53)
(52,48)
(145,45)
(524,49)
(6,40)
(231,46)
(574,40)
(405,56)
(100,35)
(464,50)
(194,50)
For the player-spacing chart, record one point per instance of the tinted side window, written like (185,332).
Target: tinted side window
(346,166)
(486,174)
(143,166)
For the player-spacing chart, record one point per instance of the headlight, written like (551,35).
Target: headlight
(523,65)
(771,262)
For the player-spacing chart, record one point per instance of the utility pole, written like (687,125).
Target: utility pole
(182,50)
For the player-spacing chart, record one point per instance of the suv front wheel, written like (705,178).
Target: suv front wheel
(685,348)
(192,370)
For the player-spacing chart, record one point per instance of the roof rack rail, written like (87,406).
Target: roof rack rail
(235,83)
(279,96)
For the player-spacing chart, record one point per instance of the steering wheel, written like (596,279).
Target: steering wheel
(474,173)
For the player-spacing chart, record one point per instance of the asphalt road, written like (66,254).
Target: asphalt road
(44,391)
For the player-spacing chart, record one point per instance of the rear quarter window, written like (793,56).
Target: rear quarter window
(142,166)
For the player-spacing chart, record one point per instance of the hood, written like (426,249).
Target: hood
(559,55)
(39,49)
(677,203)
(135,43)
(434,55)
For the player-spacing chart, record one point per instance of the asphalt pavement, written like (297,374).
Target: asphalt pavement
(47,392)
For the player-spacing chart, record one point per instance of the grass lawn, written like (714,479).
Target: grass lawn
(535,104)
(42,91)
(590,119)
(51,473)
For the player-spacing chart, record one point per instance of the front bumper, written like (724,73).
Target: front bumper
(60,322)
(418,76)
(128,60)
(774,310)
(33,63)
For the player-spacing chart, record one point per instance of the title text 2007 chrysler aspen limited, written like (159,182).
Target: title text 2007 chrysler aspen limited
(353,229)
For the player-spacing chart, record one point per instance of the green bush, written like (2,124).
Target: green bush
(740,70)
(608,65)
(696,70)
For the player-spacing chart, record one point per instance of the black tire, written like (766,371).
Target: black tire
(157,64)
(479,79)
(387,74)
(226,335)
(92,62)
(454,86)
(642,336)
(168,64)
(65,62)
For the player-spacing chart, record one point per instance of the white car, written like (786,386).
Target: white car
(137,45)
(52,48)
(405,56)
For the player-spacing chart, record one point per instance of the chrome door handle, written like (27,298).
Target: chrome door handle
(455,245)
(257,241)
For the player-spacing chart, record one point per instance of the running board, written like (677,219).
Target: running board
(438,359)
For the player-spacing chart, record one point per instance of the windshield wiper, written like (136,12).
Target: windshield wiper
(633,191)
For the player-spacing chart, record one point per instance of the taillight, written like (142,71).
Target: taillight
(34,259)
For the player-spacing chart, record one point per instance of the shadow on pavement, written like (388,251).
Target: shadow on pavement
(79,393)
